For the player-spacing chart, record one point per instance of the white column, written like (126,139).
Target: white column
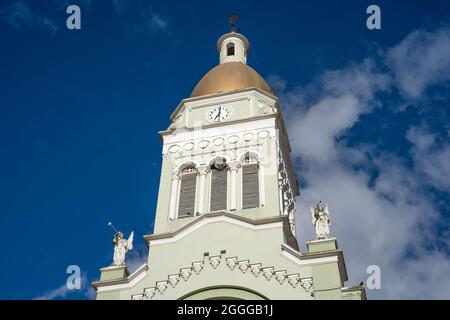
(234,166)
(202,171)
(174,195)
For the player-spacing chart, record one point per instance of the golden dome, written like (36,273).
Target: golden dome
(227,77)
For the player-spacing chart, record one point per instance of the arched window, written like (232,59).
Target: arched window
(250,182)
(230,49)
(218,185)
(187,192)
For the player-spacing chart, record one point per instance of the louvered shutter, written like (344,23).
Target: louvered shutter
(250,186)
(187,195)
(218,189)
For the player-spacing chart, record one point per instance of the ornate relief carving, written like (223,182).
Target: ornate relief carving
(288,198)
(244,265)
(186,273)
(161,286)
(176,176)
(149,293)
(306,283)
(280,276)
(197,266)
(255,269)
(231,262)
(214,261)
(174,279)
(268,273)
(293,280)
(234,165)
(203,170)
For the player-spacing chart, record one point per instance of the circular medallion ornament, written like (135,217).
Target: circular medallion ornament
(263,134)
(174,148)
(233,139)
(248,136)
(218,141)
(188,146)
(203,144)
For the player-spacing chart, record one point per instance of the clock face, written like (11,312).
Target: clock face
(218,114)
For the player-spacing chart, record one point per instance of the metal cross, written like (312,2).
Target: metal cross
(233,20)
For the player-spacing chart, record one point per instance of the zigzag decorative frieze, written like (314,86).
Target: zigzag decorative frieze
(244,266)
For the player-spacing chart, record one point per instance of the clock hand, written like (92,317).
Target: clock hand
(217,115)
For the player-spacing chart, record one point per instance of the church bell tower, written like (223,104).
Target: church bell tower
(225,218)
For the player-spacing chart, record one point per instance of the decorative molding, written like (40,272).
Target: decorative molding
(231,262)
(280,276)
(255,269)
(197,266)
(268,273)
(213,217)
(161,286)
(244,265)
(306,283)
(293,279)
(174,279)
(137,297)
(149,293)
(215,261)
(185,273)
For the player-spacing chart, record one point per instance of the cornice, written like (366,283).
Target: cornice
(257,222)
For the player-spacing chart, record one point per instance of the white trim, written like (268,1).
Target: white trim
(206,221)
(202,191)
(261,184)
(223,97)
(123,286)
(308,262)
(177,206)
(173,198)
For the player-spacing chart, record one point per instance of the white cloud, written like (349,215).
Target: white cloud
(420,60)
(381,212)
(431,158)
(19,15)
(63,291)
(336,101)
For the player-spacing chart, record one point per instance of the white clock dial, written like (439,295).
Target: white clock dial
(218,114)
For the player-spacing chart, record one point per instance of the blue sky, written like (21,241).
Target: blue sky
(80,111)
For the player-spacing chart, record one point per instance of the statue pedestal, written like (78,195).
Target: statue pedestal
(322,245)
(114,273)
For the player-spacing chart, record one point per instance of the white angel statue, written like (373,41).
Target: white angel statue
(321,220)
(121,247)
